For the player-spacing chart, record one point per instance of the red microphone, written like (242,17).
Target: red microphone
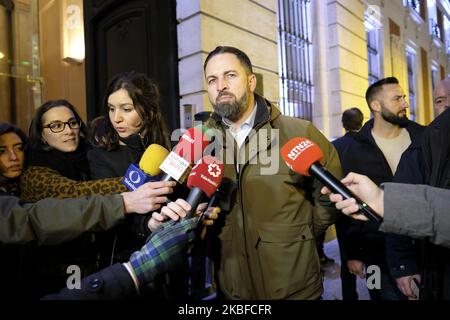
(304,157)
(205,178)
(189,150)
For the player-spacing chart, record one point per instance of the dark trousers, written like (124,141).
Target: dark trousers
(348,283)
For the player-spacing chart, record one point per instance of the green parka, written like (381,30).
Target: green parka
(266,246)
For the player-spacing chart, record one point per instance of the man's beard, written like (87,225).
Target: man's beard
(390,117)
(231,110)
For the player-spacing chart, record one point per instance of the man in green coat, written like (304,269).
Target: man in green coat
(265,246)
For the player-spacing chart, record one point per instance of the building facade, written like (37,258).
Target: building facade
(313,58)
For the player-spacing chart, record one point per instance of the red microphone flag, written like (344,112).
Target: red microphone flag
(300,153)
(191,145)
(206,175)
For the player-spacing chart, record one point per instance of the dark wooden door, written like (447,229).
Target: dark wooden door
(129,35)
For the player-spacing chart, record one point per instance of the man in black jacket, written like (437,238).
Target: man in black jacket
(386,149)
(352,121)
(401,254)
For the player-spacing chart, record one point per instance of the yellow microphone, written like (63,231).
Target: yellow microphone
(152,158)
(148,169)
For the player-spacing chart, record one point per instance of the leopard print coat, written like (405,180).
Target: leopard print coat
(37,183)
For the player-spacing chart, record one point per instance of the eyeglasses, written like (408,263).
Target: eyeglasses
(59,126)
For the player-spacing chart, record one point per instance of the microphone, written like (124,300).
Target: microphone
(204,179)
(189,150)
(148,169)
(304,156)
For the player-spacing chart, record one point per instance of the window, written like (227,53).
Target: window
(295,55)
(446,34)
(435,30)
(434,76)
(372,24)
(417,10)
(432,16)
(414,5)
(411,62)
(373,56)
(440,24)
(20,75)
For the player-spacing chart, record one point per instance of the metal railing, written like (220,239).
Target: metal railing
(296,83)
(435,30)
(414,4)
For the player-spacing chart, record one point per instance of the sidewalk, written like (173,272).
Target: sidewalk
(332,280)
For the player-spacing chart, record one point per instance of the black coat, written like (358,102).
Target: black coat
(110,283)
(73,165)
(343,222)
(118,243)
(363,156)
(436,151)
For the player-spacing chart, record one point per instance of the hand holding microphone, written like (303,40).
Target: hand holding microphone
(365,189)
(144,182)
(304,156)
(148,197)
(204,179)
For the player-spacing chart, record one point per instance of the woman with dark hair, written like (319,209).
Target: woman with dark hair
(13,278)
(56,154)
(57,133)
(131,121)
(57,167)
(12,157)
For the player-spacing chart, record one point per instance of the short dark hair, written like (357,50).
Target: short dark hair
(242,57)
(145,95)
(10,128)
(375,88)
(35,130)
(352,119)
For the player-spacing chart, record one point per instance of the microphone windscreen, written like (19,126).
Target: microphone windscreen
(300,153)
(191,145)
(206,175)
(152,158)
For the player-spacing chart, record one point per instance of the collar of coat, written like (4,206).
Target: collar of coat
(442,121)
(414,129)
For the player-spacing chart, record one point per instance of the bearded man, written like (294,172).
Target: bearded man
(386,149)
(264,248)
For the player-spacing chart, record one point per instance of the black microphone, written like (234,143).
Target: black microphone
(303,156)
(324,176)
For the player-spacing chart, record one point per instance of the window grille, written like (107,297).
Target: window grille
(410,60)
(295,58)
(373,58)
